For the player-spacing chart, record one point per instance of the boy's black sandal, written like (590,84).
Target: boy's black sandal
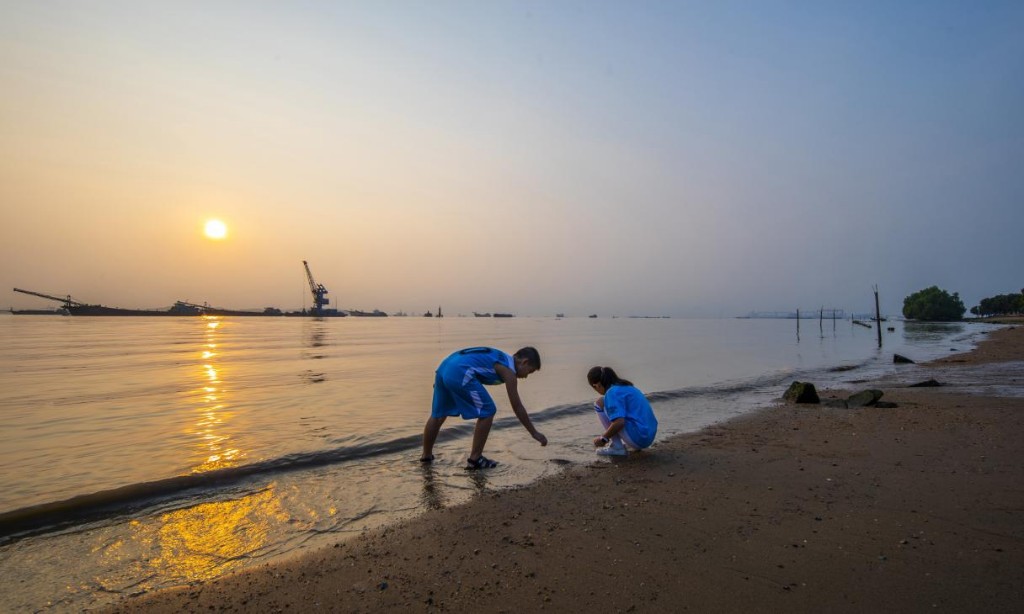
(481,463)
(427,459)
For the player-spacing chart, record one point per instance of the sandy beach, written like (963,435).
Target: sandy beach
(796,508)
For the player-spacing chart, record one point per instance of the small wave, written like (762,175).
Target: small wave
(133,498)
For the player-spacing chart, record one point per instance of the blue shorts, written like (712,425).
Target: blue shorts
(456,396)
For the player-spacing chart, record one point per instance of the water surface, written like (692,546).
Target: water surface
(140,453)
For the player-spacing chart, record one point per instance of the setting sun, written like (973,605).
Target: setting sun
(215,229)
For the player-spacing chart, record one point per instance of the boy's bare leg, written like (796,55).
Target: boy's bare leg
(430,432)
(480,433)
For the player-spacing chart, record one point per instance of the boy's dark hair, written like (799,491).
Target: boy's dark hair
(531,355)
(607,377)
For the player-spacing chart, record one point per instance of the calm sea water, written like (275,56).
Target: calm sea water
(139,453)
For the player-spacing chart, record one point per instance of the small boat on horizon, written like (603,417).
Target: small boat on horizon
(60,311)
(376,313)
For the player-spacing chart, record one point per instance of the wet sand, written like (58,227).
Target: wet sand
(797,508)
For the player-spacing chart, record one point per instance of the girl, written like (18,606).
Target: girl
(623,411)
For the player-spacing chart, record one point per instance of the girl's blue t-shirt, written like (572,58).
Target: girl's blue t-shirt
(629,403)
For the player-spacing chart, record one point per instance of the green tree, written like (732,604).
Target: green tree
(933,305)
(1000,305)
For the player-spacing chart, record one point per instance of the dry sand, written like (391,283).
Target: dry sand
(795,509)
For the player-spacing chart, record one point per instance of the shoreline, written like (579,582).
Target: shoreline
(801,508)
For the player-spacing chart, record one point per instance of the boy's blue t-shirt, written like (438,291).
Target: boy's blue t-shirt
(629,403)
(477,363)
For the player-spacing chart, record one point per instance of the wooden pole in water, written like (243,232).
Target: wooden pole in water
(798,325)
(821,320)
(878,317)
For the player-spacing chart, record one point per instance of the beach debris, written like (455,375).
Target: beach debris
(928,383)
(900,359)
(801,392)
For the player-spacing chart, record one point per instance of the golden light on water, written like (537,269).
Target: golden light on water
(204,541)
(212,430)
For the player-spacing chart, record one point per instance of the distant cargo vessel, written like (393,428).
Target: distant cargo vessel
(60,311)
(77,308)
(70,306)
(179,308)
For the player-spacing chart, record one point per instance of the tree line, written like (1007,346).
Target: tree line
(937,305)
(1000,305)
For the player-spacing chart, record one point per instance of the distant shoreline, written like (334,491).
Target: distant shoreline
(1012,320)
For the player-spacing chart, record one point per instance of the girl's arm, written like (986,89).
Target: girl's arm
(613,429)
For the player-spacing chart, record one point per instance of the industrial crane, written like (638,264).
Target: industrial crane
(319,292)
(66,300)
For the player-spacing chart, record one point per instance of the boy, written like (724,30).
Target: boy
(459,391)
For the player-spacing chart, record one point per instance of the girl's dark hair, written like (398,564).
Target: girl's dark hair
(607,377)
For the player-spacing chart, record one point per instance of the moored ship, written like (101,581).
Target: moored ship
(179,308)
(78,308)
(376,313)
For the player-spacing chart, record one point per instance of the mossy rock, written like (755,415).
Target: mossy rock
(801,392)
(864,398)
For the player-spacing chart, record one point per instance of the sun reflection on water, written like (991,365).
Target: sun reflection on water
(216,448)
(208,539)
(203,541)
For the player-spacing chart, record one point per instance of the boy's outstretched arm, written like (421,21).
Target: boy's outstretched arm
(512,387)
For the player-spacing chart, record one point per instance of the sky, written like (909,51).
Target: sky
(692,159)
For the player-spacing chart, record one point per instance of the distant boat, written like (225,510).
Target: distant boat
(178,309)
(481,315)
(429,314)
(312,313)
(60,311)
(559,315)
(593,315)
(504,315)
(376,313)
(187,308)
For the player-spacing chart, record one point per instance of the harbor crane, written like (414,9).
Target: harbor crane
(319,292)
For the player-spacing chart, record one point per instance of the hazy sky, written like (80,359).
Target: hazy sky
(681,158)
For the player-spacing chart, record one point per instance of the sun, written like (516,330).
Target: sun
(215,229)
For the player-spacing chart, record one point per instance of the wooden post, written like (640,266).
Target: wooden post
(798,324)
(821,321)
(878,317)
